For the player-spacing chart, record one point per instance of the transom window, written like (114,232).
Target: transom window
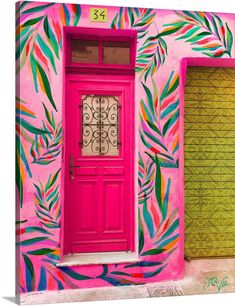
(105,50)
(100,52)
(85,51)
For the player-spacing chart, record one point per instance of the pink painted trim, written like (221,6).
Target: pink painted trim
(126,87)
(62,183)
(121,35)
(182,78)
(186,62)
(102,35)
(209,62)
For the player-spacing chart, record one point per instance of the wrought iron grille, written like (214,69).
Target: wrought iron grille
(100,125)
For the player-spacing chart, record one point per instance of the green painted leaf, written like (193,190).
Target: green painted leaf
(19,182)
(229,39)
(53,180)
(20,150)
(141,234)
(46,84)
(32,21)
(120,273)
(51,37)
(31,241)
(169,31)
(33,229)
(46,50)
(78,14)
(215,27)
(29,273)
(153,252)
(37,8)
(169,109)
(170,122)
(167,164)
(148,219)
(47,114)
(21,45)
(167,241)
(153,127)
(150,99)
(29,127)
(34,71)
(195,38)
(71,273)
(189,33)
(171,229)
(147,113)
(154,139)
(158,183)
(144,264)
(165,90)
(151,274)
(42,251)
(166,198)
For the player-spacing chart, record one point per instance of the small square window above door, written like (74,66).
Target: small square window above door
(101,49)
(115,52)
(85,51)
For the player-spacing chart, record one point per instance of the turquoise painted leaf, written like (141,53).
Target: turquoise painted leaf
(148,219)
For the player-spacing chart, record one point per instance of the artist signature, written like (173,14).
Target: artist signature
(213,281)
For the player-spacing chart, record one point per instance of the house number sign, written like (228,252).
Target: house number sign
(98,14)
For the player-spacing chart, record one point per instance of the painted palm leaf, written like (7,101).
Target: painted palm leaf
(153,51)
(139,19)
(46,147)
(39,41)
(151,55)
(47,202)
(154,213)
(146,175)
(24,129)
(42,251)
(205,32)
(159,119)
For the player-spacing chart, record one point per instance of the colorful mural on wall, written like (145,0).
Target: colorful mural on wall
(164,37)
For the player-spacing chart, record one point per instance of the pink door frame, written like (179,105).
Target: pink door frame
(187,62)
(118,70)
(101,84)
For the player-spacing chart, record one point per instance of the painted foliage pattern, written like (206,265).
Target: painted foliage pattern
(39,138)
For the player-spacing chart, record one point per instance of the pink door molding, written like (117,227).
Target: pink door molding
(99,190)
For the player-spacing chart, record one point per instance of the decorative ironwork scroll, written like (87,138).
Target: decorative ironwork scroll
(100,125)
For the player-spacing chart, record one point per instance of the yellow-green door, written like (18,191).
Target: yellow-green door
(209,162)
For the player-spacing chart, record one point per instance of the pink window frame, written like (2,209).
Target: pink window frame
(101,35)
(184,64)
(107,92)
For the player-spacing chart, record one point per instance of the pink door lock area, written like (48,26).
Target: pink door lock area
(99,210)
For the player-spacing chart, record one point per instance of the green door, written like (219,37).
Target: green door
(209,162)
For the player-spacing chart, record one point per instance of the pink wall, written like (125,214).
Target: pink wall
(162,42)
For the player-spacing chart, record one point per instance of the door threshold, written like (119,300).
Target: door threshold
(97,258)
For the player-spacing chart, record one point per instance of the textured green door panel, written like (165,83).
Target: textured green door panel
(209,171)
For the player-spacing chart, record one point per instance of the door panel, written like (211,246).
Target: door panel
(113,214)
(85,213)
(99,137)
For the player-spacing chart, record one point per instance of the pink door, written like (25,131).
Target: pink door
(99,147)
